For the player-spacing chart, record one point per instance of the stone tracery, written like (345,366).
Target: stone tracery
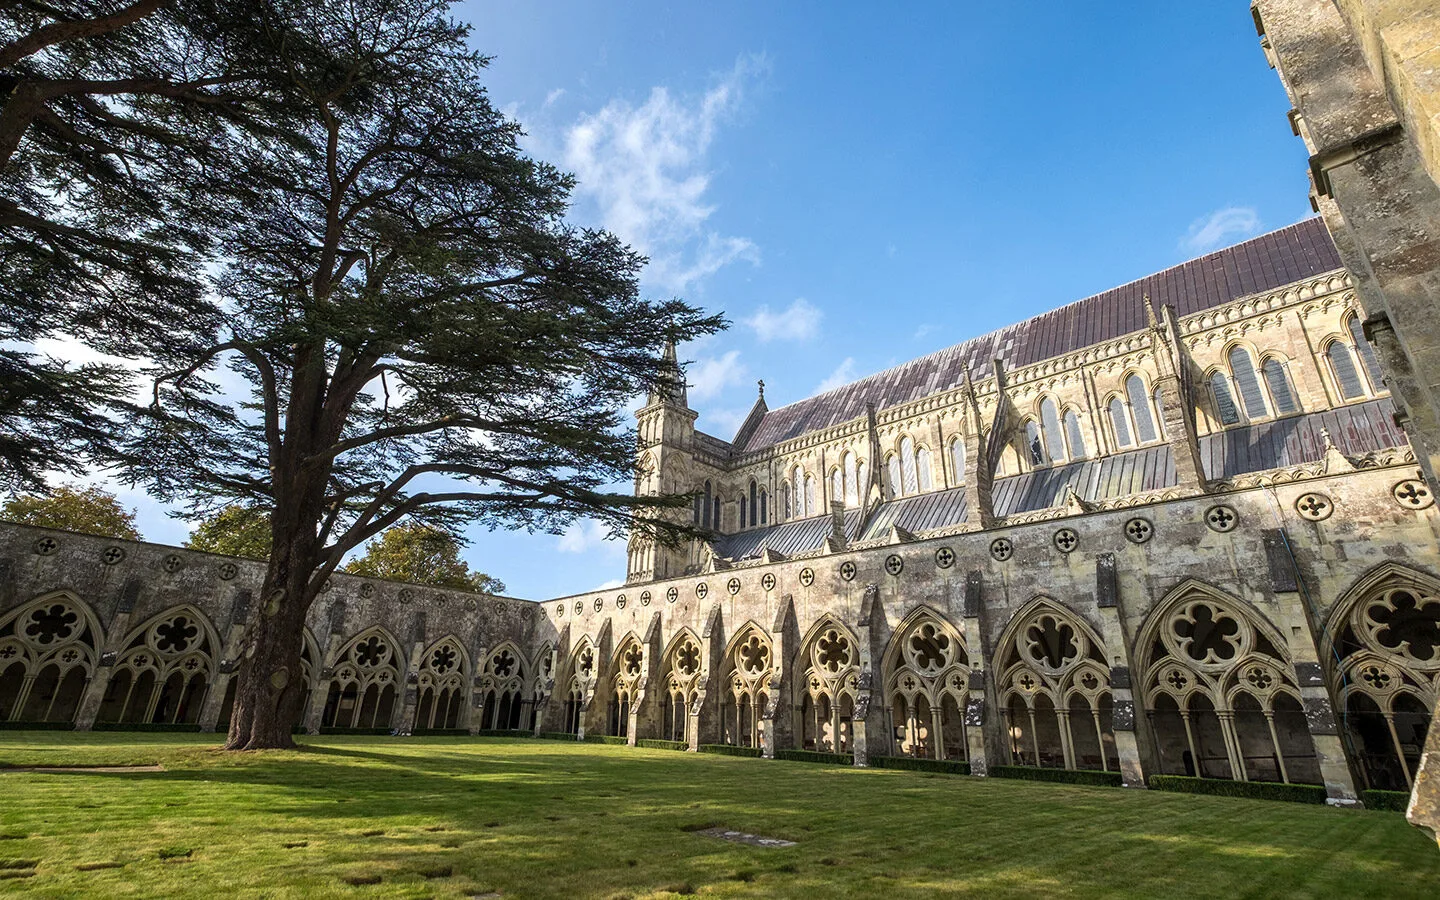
(163,673)
(363,682)
(48,652)
(928,686)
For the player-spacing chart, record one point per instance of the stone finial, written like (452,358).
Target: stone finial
(1150,320)
(761,383)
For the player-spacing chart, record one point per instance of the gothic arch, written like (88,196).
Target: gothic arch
(503,681)
(828,665)
(49,648)
(163,672)
(364,681)
(748,665)
(582,666)
(683,675)
(441,682)
(1382,652)
(1220,691)
(1054,684)
(627,664)
(927,675)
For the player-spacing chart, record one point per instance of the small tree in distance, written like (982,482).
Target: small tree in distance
(85,510)
(423,555)
(234,531)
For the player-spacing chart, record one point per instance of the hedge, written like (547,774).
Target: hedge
(657,744)
(950,766)
(331,729)
(731,750)
(555,736)
(834,759)
(605,739)
(445,732)
(1255,790)
(191,728)
(1063,776)
(514,732)
(37,726)
(1394,801)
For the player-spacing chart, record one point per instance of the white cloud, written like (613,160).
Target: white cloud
(724,422)
(923,330)
(1221,227)
(800,321)
(843,375)
(553,96)
(644,169)
(709,375)
(587,535)
(609,585)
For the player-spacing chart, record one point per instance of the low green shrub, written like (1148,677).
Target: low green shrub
(551,735)
(950,766)
(812,756)
(331,729)
(516,732)
(1394,801)
(1255,790)
(731,750)
(657,744)
(1062,776)
(191,728)
(606,739)
(37,726)
(447,732)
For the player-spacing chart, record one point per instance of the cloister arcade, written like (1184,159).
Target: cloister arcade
(928,686)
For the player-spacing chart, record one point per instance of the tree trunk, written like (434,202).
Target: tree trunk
(269,693)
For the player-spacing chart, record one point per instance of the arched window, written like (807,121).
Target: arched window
(1342,364)
(1366,351)
(837,485)
(698,501)
(764,509)
(1140,409)
(785,500)
(812,506)
(1243,369)
(1050,426)
(754,511)
(1278,383)
(1073,435)
(799,483)
(892,475)
(862,483)
(852,485)
(957,460)
(924,469)
(1034,449)
(909,482)
(708,506)
(1119,423)
(716,514)
(743,508)
(1225,408)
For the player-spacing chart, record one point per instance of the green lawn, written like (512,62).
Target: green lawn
(457,817)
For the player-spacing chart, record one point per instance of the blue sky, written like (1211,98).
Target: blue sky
(855,190)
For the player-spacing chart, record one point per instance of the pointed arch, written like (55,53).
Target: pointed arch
(627,664)
(926,669)
(163,671)
(49,648)
(444,673)
(827,664)
(682,673)
(749,662)
(364,685)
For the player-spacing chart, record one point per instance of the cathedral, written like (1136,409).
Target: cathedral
(1173,528)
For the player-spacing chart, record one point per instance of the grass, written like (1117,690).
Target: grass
(458,817)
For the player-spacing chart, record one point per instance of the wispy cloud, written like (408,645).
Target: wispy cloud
(587,535)
(843,375)
(1221,227)
(709,375)
(800,321)
(644,170)
(922,331)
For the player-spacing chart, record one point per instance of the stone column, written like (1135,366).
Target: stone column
(1122,697)
(982,729)
(114,643)
(215,698)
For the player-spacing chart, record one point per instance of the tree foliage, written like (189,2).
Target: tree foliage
(86,510)
(426,338)
(111,192)
(422,555)
(235,531)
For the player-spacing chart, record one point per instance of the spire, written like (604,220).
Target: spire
(671,389)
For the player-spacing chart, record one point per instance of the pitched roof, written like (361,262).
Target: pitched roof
(1300,251)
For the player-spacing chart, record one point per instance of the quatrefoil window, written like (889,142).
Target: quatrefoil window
(1051,642)
(1376,677)
(1001,549)
(944,557)
(1089,681)
(767,581)
(1177,680)
(754,655)
(632,659)
(833,651)
(175,635)
(371,652)
(1066,540)
(1259,677)
(1314,507)
(443,659)
(51,624)
(504,663)
(1221,518)
(687,659)
(1407,623)
(733,586)
(929,648)
(847,570)
(1139,530)
(1207,634)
